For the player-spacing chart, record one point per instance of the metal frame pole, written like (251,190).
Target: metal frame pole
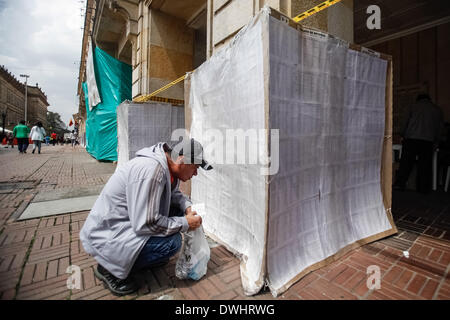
(26,94)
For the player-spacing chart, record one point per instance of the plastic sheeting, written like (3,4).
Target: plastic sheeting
(228,92)
(141,125)
(94,95)
(114,83)
(328,102)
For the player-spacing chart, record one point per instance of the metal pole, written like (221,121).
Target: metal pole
(26,87)
(4,120)
(26,96)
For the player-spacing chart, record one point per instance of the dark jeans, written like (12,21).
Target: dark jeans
(37,143)
(412,148)
(22,144)
(157,250)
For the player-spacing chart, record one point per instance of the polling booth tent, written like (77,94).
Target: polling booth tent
(297,125)
(113,79)
(141,125)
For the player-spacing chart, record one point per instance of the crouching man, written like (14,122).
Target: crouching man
(137,219)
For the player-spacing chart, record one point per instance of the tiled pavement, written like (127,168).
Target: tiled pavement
(35,254)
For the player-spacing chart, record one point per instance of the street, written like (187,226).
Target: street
(35,253)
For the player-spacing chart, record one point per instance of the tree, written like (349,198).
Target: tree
(55,124)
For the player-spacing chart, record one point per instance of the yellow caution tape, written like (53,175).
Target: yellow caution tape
(300,17)
(168,100)
(153,94)
(314,10)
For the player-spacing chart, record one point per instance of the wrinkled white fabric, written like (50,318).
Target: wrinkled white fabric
(142,124)
(328,102)
(227,92)
(93,94)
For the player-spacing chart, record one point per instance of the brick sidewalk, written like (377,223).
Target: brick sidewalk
(35,254)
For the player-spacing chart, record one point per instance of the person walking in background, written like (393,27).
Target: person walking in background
(10,140)
(21,132)
(420,137)
(53,137)
(37,134)
(47,140)
(73,138)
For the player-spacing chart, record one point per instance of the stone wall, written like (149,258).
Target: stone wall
(164,45)
(226,18)
(12,101)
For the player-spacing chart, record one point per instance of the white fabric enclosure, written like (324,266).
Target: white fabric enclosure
(326,103)
(141,125)
(93,94)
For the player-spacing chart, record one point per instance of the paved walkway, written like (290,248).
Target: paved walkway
(35,254)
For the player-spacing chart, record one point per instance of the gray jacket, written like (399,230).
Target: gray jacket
(424,121)
(133,206)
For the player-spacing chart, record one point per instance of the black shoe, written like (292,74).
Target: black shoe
(32,151)
(117,286)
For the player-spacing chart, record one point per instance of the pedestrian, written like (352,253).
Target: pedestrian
(420,137)
(73,138)
(37,134)
(53,137)
(137,219)
(21,132)
(10,139)
(47,140)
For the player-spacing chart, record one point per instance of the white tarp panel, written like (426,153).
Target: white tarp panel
(141,125)
(328,102)
(93,94)
(227,92)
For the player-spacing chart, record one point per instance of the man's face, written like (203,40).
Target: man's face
(186,171)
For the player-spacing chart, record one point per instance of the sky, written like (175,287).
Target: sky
(42,38)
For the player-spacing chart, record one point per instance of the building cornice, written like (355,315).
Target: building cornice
(9,77)
(33,91)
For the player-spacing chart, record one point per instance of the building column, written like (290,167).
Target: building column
(139,54)
(226,18)
(170,52)
(336,20)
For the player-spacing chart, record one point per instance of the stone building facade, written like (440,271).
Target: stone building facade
(12,101)
(37,105)
(164,39)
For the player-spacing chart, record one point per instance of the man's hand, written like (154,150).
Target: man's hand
(194,220)
(189,211)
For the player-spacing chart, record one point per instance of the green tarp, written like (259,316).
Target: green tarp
(114,85)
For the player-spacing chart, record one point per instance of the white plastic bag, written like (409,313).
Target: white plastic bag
(194,256)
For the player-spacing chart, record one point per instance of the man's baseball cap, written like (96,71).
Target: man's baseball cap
(192,151)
